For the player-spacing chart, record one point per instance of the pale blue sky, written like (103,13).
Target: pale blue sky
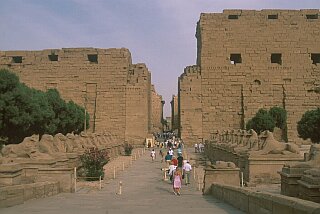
(159,33)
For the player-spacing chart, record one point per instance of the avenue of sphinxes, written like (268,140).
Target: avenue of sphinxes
(246,60)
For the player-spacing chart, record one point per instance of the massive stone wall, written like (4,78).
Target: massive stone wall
(190,106)
(157,110)
(138,105)
(256,59)
(174,113)
(103,80)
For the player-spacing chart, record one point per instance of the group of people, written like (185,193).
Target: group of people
(178,168)
(199,147)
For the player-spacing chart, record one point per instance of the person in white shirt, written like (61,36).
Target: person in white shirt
(172,168)
(153,154)
(170,152)
(201,147)
(187,171)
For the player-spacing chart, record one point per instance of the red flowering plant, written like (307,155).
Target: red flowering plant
(93,161)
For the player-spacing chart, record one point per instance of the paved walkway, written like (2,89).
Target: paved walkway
(143,192)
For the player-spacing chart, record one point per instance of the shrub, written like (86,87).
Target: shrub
(261,121)
(26,111)
(309,126)
(128,148)
(93,161)
(280,117)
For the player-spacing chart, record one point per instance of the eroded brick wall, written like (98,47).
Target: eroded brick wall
(242,71)
(174,113)
(99,79)
(138,106)
(190,106)
(157,109)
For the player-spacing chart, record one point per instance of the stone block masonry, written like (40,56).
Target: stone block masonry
(138,103)
(103,80)
(174,113)
(157,110)
(249,60)
(190,106)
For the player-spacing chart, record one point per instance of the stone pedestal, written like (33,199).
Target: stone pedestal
(309,188)
(38,163)
(289,180)
(222,176)
(65,177)
(264,168)
(10,174)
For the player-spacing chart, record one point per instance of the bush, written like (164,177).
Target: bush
(280,117)
(261,121)
(93,161)
(128,148)
(26,111)
(309,126)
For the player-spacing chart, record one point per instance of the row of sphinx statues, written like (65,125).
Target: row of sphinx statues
(59,145)
(243,141)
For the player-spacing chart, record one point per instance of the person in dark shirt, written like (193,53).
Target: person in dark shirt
(168,158)
(180,160)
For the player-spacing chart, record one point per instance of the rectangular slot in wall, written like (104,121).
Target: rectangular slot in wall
(233,16)
(53,57)
(315,57)
(312,16)
(17,59)
(273,16)
(235,58)
(93,58)
(276,58)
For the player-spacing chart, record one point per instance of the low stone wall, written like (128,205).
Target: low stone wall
(229,176)
(65,177)
(256,169)
(256,202)
(17,194)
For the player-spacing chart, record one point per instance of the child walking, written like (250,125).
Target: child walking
(177,180)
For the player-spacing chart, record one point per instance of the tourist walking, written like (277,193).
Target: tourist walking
(161,154)
(187,171)
(153,155)
(170,152)
(172,169)
(196,148)
(201,147)
(177,180)
(174,160)
(180,160)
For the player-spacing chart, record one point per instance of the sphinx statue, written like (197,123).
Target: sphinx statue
(253,141)
(313,159)
(224,165)
(271,146)
(29,148)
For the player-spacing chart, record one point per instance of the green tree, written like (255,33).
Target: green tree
(8,81)
(261,121)
(25,111)
(309,126)
(69,117)
(58,106)
(280,117)
(75,121)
